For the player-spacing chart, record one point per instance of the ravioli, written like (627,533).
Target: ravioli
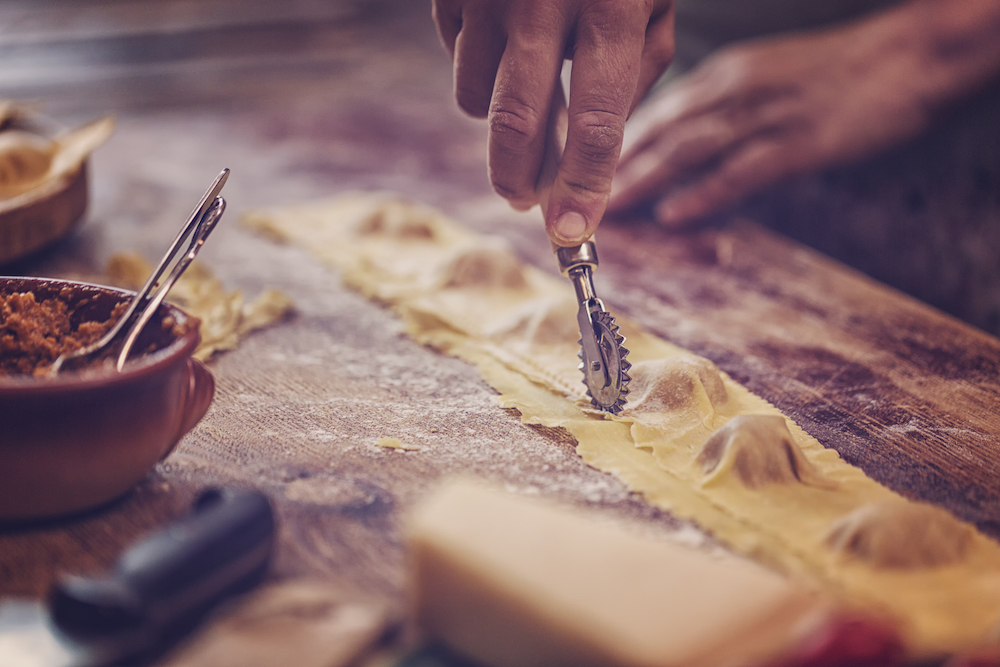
(691,441)
(901,535)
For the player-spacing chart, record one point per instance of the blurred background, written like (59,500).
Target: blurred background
(132,54)
(923,217)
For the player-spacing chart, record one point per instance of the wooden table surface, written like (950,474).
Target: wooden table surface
(307,99)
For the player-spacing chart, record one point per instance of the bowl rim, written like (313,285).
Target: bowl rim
(144,366)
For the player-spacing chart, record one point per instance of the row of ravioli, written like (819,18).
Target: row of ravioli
(755,450)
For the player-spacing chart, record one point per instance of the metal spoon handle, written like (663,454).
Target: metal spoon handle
(204,227)
(195,224)
(192,222)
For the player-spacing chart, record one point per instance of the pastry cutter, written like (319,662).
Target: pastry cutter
(143,306)
(156,593)
(602,353)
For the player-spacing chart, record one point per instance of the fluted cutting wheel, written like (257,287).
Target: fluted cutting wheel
(610,397)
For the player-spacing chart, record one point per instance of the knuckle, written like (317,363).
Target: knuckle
(514,124)
(611,20)
(604,12)
(598,135)
(534,30)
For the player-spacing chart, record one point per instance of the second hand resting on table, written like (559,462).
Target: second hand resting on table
(508,56)
(757,112)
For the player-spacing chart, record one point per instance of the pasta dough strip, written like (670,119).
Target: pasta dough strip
(399,254)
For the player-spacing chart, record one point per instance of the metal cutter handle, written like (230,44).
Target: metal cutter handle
(578,264)
(605,371)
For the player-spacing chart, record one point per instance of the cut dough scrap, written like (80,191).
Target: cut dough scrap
(31,163)
(396,443)
(758,450)
(24,161)
(901,535)
(224,317)
(942,609)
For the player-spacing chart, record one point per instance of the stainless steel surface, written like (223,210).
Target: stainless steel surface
(602,353)
(581,255)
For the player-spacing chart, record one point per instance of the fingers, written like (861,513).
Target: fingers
(657,54)
(478,49)
(668,157)
(679,102)
(474,37)
(608,50)
(684,126)
(757,164)
(720,84)
(508,57)
(449,22)
(518,117)
(677,145)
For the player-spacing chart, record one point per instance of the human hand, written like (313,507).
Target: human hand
(508,57)
(759,112)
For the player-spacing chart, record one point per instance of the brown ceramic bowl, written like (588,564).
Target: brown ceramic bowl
(82,438)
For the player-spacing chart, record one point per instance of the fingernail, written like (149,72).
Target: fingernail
(570,226)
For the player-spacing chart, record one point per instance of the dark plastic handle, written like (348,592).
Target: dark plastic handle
(166,583)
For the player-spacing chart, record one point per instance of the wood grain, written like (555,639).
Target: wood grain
(364,100)
(900,390)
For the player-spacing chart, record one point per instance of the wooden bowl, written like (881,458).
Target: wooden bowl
(75,441)
(36,219)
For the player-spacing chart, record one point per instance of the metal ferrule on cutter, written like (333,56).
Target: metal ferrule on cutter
(605,370)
